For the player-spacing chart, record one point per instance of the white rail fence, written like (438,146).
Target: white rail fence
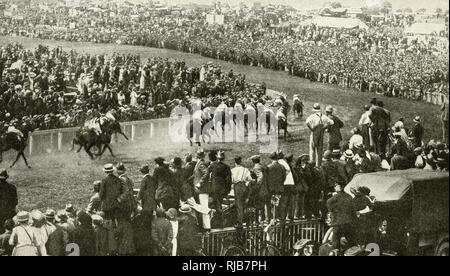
(59,140)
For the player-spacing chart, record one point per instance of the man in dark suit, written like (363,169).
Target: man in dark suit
(334,131)
(259,194)
(8,199)
(163,178)
(378,127)
(276,175)
(147,193)
(220,174)
(202,186)
(417,132)
(187,188)
(343,216)
(110,191)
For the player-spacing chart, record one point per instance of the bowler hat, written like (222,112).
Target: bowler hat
(349,154)
(336,152)
(121,168)
(159,160)
(145,169)
(4,174)
(255,158)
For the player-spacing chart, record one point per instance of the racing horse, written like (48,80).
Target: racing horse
(87,138)
(282,121)
(205,135)
(17,142)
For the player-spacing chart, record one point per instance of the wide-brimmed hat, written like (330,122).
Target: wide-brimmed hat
(185,209)
(23,216)
(416,119)
(120,168)
(316,107)
(108,168)
(349,154)
(336,153)
(4,174)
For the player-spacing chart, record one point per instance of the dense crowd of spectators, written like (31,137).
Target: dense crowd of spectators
(52,89)
(379,59)
(181,199)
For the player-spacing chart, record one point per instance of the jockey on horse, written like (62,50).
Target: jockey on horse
(98,123)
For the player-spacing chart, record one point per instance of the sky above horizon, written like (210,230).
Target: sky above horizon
(309,4)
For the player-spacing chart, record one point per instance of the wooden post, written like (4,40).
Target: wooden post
(60,136)
(152,127)
(30,146)
(51,141)
(133,132)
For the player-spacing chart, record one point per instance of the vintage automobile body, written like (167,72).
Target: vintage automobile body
(415,205)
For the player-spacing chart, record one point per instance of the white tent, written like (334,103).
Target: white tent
(425,28)
(336,22)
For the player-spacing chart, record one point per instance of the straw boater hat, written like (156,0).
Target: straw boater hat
(23,216)
(50,214)
(185,209)
(316,107)
(108,168)
(349,154)
(329,109)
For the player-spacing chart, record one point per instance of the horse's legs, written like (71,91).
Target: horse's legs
(25,159)
(17,159)
(110,150)
(88,151)
(123,134)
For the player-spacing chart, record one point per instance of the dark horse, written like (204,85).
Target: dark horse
(282,124)
(298,108)
(12,140)
(87,138)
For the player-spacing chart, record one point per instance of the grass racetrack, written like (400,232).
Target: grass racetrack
(60,178)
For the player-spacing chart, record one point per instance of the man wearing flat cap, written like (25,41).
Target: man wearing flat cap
(8,199)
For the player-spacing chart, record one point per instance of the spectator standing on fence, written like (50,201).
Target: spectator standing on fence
(241,179)
(378,126)
(334,130)
(287,200)
(147,194)
(8,199)
(317,124)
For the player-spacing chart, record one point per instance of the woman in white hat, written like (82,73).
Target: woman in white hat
(22,237)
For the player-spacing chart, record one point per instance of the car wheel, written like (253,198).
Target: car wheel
(233,251)
(442,249)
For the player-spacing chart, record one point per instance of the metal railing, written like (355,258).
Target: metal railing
(213,243)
